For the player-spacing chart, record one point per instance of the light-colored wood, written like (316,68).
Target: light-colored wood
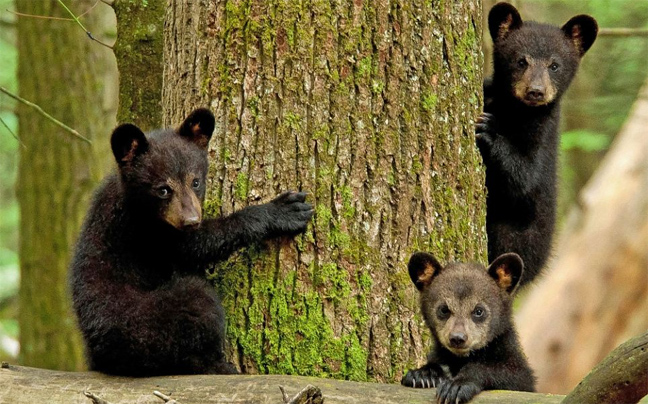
(21,385)
(594,295)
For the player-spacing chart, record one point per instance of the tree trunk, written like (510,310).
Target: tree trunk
(595,293)
(70,77)
(138,50)
(370,107)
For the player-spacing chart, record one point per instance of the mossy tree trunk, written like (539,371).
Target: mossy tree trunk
(139,58)
(70,77)
(370,107)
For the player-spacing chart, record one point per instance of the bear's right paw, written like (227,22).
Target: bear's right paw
(290,214)
(426,377)
(485,130)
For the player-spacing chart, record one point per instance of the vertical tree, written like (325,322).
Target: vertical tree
(369,106)
(138,50)
(72,78)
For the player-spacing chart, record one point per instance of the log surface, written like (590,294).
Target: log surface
(23,385)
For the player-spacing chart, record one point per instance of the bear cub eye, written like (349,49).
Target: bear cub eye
(479,313)
(196,183)
(522,63)
(554,66)
(443,312)
(163,192)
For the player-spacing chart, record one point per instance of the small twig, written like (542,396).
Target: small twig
(12,133)
(45,114)
(41,17)
(76,19)
(623,32)
(286,399)
(309,395)
(47,17)
(167,399)
(95,399)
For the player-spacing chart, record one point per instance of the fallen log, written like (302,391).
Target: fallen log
(24,385)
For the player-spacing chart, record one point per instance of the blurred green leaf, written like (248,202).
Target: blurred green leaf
(9,279)
(584,140)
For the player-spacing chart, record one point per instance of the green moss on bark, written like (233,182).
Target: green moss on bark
(369,107)
(138,50)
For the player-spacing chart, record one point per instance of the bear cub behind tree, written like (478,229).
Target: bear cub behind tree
(468,311)
(138,281)
(518,133)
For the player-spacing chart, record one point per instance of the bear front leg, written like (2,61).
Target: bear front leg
(216,239)
(427,377)
(513,373)
(457,390)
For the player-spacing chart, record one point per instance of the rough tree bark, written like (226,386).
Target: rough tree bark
(71,77)
(138,50)
(595,293)
(370,107)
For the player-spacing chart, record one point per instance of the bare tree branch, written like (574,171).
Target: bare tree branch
(46,115)
(12,133)
(616,32)
(76,19)
(95,399)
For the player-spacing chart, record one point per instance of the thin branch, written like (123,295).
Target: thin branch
(623,32)
(46,115)
(95,399)
(42,17)
(167,399)
(12,133)
(76,19)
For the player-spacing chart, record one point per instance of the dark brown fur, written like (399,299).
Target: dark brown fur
(517,134)
(468,311)
(138,279)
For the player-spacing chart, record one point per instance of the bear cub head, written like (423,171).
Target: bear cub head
(163,173)
(538,61)
(466,306)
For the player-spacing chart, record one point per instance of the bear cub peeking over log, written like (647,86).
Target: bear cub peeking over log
(517,134)
(468,310)
(139,288)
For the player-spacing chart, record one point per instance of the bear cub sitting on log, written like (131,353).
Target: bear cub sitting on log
(468,310)
(518,133)
(138,282)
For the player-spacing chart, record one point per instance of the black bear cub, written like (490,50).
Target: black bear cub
(468,310)
(139,289)
(518,133)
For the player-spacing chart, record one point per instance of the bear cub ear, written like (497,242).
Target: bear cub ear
(423,267)
(502,19)
(507,271)
(582,31)
(128,142)
(198,127)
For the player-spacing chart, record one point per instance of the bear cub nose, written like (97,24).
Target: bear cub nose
(191,222)
(535,94)
(457,339)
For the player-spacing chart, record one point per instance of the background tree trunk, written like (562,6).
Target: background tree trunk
(370,107)
(596,289)
(138,50)
(72,78)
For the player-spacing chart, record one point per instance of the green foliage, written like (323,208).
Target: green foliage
(585,140)
(9,213)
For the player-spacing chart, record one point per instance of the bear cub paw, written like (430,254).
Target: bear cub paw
(456,391)
(485,130)
(426,377)
(290,214)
